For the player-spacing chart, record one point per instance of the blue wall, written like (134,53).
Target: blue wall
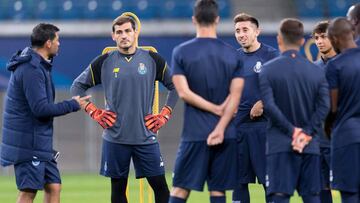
(77,52)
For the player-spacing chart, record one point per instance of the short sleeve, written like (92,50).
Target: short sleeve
(176,63)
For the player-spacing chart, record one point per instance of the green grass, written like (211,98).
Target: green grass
(93,188)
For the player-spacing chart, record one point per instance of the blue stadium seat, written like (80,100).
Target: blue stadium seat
(176,9)
(70,9)
(45,9)
(224,8)
(4,10)
(339,7)
(310,8)
(21,10)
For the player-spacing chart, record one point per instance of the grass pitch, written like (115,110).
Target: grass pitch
(93,188)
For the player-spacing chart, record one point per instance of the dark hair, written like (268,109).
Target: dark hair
(42,33)
(122,20)
(292,30)
(243,17)
(206,11)
(356,11)
(321,27)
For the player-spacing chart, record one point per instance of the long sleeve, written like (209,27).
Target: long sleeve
(277,118)
(34,87)
(322,109)
(164,76)
(90,77)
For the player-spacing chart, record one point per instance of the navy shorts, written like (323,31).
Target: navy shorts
(251,151)
(36,174)
(196,163)
(115,160)
(287,171)
(345,166)
(325,167)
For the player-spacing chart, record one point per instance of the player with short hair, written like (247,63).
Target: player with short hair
(250,120)
(296,100)
(206,72)
(327,52)
(343,74)
(27,137)
(353,15)
(128,76)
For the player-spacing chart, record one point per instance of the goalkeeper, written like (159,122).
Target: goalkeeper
(128,76)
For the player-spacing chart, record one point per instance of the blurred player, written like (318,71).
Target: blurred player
(207,152)
(27,141)
(353,16)
(343,73)
(327,52)
(128,76)
(296,100)
(250,121)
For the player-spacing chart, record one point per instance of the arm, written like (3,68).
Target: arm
(271,109)
(90,77)
(321,109)
(34,87)
(194,99)
(217,135)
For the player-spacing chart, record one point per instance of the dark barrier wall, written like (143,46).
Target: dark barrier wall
(76,53)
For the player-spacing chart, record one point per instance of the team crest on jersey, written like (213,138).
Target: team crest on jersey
(142,69)
(257,67)
(116,71)
(35,162)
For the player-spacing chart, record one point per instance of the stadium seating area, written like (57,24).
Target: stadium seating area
(99,9)
(323,8)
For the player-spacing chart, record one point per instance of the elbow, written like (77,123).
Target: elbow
(182,95)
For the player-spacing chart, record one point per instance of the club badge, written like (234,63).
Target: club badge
(142,69)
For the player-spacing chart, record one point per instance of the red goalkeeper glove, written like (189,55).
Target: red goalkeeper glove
(300,140)
(105,118)
(155,122)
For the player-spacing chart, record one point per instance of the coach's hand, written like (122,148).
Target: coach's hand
(155,122)
(257,110)
(215,137)
(300,140)
(105,118)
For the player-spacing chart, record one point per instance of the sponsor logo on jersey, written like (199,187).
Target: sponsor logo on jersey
(257,67)
(142,69)
(116,71)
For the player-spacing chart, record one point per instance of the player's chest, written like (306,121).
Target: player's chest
(128,70)
(252,66)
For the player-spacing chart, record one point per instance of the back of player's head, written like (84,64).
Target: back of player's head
(42,33)
(243,17)
(320,27)
(341,28)
(122,20)
(354,13)
(206,12)
(292,31)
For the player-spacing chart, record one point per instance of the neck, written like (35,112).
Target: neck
(130,50)
(290,47)
(329,54)
(206,31)
(348,45)
(43,53)
(254,47)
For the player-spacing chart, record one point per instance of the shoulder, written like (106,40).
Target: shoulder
(156,56)
(101,58)
(271,51)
